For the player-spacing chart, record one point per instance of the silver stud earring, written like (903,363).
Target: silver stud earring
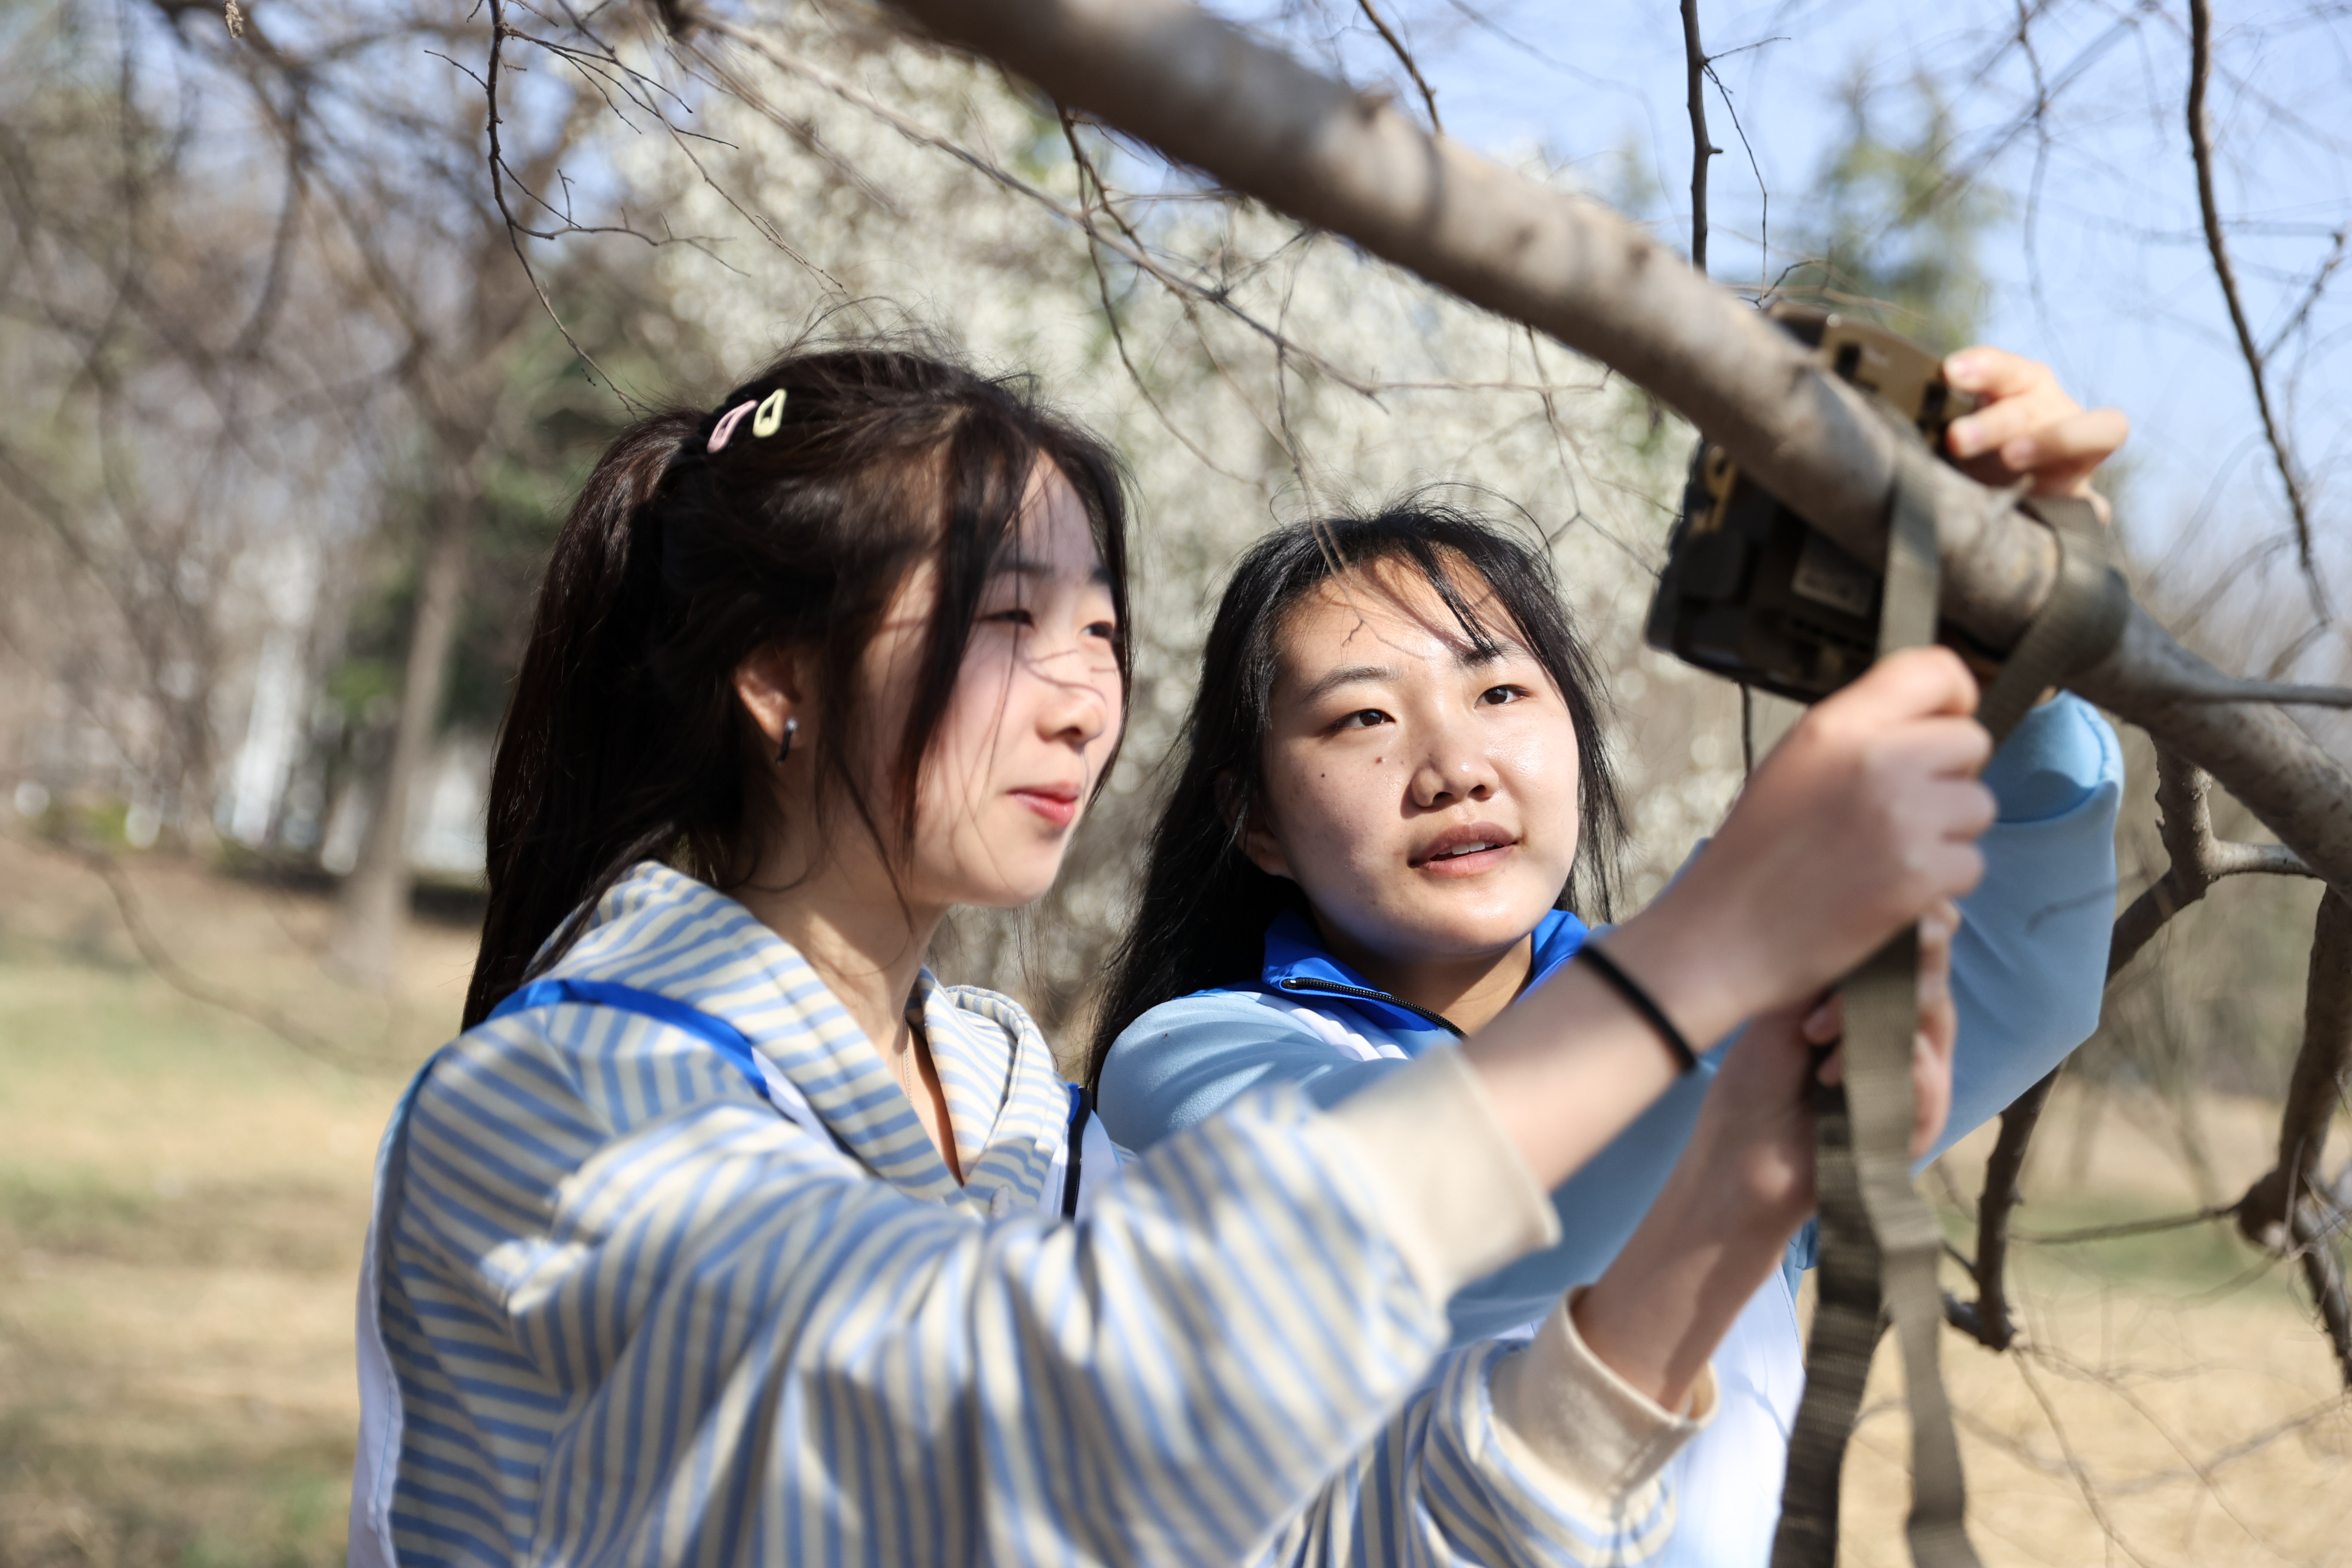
(792,727)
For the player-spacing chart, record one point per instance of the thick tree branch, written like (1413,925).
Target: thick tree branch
(2201,149)
(1208,95)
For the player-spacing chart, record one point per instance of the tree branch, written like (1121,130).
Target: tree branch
(1702,149)
(2201,149)
(1404,57)
(1208,95)
(2195,859)
(1987,1319)
(2290,1210)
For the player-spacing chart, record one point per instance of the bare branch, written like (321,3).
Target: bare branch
(1988,1320)
(2200,148)
(1404,57)
(2290,1210)
(1208,95)
(177,975)
(1696,62)
(2197,859)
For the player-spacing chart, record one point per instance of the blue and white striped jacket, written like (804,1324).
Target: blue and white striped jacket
(635,1315)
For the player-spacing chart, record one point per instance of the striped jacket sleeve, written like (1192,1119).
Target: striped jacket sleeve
(642,1318)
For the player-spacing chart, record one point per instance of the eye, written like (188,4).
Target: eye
(1106,630)
(1015,617)
(1362,718)
(1498,695)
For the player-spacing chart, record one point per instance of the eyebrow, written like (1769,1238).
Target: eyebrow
(1349,674)
(1017,565)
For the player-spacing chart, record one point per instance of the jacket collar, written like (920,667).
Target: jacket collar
(1298,964)
(665,932)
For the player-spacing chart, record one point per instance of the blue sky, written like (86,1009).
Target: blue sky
(2098,264)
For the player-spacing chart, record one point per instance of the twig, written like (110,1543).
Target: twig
(1695,65)
(1404,58)
(172,973)
(2129,1228)
(2197,859)
(2200,148)
(1988,1320)
(2290,1210)
(499,34)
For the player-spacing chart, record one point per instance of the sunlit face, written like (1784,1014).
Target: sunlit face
(1035,712)
(1422,795)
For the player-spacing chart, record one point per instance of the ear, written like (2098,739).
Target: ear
(1260,839)
(768,684)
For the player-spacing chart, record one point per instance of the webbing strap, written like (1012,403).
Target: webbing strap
(2079,622)
(1879,1240)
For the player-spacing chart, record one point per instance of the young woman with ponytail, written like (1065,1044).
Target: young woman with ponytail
(726,1234)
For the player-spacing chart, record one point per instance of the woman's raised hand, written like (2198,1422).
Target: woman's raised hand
(1864,818)
(2027,425)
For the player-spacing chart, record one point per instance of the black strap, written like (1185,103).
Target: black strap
(1642,1002)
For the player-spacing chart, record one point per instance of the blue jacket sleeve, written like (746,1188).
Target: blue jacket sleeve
(2028,968)
(2030,963)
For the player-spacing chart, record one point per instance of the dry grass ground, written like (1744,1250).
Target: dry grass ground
(181,1197)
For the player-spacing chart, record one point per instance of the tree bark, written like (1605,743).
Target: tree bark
(1208,95)
(372,910)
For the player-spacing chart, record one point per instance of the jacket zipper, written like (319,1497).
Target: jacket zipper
(1361,993)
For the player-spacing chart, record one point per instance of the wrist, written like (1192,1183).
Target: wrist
(1692,970)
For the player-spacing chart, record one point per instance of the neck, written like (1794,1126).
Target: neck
(864,942)
(1468,991)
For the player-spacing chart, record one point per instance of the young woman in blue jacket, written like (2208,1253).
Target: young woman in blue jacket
(1392,795)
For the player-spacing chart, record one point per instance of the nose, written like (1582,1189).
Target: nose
(1455,768)
(1072,707)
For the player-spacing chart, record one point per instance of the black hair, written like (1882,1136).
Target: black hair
(625,740)
(1201,918)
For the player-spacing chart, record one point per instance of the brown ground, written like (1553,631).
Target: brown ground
(182,1193)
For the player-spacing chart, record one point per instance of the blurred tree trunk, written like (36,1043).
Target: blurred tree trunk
(373,908)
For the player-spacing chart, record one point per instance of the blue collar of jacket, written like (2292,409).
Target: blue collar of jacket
(1297,963)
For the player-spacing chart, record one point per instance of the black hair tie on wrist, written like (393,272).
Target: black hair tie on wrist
(1643,1002)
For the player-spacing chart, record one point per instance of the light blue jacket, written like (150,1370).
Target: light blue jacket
(2028,967)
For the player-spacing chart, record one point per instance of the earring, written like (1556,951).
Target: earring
(792,727)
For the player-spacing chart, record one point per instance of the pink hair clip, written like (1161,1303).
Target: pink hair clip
(726,426)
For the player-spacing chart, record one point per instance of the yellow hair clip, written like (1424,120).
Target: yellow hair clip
(771,414)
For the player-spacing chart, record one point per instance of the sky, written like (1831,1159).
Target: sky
(2097,262)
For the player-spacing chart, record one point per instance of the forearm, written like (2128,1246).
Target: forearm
(1668,1301)
(1573,1066)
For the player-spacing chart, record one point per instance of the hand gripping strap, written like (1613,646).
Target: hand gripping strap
(1879,1240)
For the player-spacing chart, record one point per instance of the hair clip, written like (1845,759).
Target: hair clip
(771,415)
(726,426)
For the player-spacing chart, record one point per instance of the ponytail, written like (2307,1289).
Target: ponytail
(568,809)
(625,739)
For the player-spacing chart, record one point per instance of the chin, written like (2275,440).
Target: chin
(1490,924)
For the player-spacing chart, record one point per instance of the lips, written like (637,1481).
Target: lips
(1467,850)
(1058,804)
